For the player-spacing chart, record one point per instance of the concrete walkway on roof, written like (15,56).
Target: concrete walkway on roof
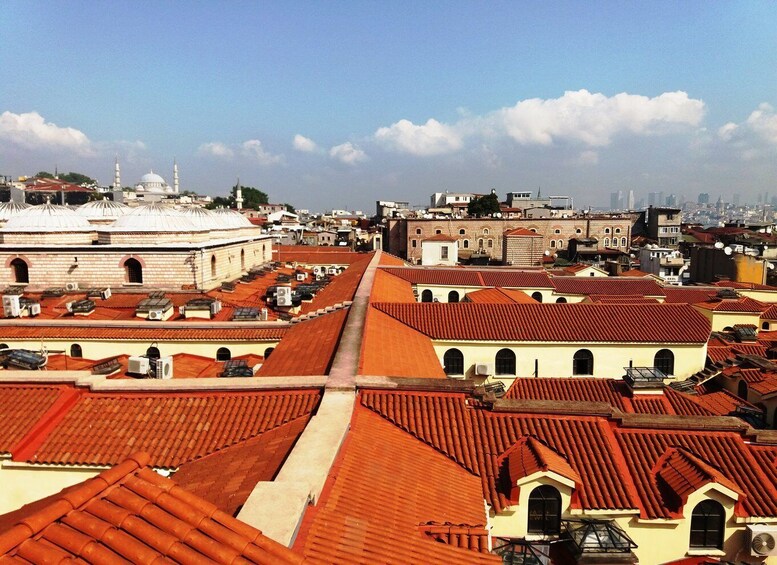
(277,508)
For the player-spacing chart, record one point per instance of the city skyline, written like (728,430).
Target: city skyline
(339,106)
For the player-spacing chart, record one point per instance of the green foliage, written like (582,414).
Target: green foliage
(252,198)
(484,206)
(44,175)
(290,208)
(220,202)
(71,177)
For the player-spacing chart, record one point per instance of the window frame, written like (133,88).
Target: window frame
(712,535)
(583,356)
(542,501)
(453,359)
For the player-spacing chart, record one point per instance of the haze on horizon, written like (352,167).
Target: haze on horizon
(335,105)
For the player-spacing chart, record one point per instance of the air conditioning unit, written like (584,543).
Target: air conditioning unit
(11,306)
(71,286)
(484,369)
(763,540)
(331,271)
(105,294)
(34,309)
(300,277)
(283,296)
(182,310)
(138,365)
(155,315)
(164,368)
(215,307)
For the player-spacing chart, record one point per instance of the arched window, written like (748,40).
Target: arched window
(557,230)
(418,231)
(544,511)
(212,266)
(490,242)
(242,259)
(75,350)
(453,296)
(664,361)
(462,231)
(3,346)
(606,241)
(505,362)
(623,242)
(437,232)
(617,230)
(480,243)
(426,296)
(553,243)
(561,300)
(21,273)
(268,352)
(485,231)
(133,271)
(453,362)
(707,522)
(765,326)
(606,230)
(153,352)
(561,244)
(742,390)
(578,231)
(583,363)
(223,354)
(537,296)
(466,244)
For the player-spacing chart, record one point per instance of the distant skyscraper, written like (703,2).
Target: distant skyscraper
(630,203)
(616,200)
(661,199)
(704,198)
(671,201)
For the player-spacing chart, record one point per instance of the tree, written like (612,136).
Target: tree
(484,205)
(44,175)
(220,202)
(77,178)
(290,208)
(252,198)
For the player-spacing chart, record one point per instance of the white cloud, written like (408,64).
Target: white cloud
(216,149)
(594,119)
(728,131)
(304,144)
(347,153)
(31,131)
(431,138)
(253,148)
(763,122)
(587,158)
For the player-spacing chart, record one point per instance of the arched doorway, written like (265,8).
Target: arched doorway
(21,272)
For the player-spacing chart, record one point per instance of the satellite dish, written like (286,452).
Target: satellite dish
(547,253)
(770,266)
(718,245)
(727,251)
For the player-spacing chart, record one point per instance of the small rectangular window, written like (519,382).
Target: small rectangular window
(413,243)
(444,252)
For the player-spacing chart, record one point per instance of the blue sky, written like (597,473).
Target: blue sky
(326,104)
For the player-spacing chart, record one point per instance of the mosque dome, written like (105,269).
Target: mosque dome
(231,219)
(9,209)
(47,218)
(152,182)
(204,218)
(155,217)
(102,210)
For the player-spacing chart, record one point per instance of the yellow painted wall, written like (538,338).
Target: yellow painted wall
(769,296)
(555,359)
(750,269)
(22,485)
(722,320)
(513,521)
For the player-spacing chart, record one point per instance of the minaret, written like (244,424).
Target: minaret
(239,195)
(116,175)
(175,176)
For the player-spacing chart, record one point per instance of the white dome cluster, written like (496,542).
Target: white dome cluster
(46,218)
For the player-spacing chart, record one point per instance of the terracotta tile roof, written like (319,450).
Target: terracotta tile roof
(22,406)
(388,288)
(762,381)
(389,347)
(521,232)
(391,260)
(526,457)
(578,323)
(743,305)
(342,288)
(380,466)
(766,455)
(720,402)
(332,256)
(770,313)
(141,331)
(476,438)
(744,285)
(607,285)
(445,277)
(635,273)
(516,279)
(226,477)
(499,296)
(607,299)
(688,295)
(308,348)
(440,237)
(174,428)
(684,473)
(458,535)
(131,513)
(724,450)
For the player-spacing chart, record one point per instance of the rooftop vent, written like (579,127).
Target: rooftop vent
(81,307)
(237,368)
(22,359)
(727,293)
(228,287)
(245,314)
(645,379)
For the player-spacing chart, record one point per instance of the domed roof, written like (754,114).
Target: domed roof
(155,217)
(8,209)
(204,218)
(151,178)
(232,219)
(47,218)
(102,210)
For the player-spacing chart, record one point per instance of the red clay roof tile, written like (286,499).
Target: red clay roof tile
(388,288)
(342,288)
(583,323)
(22,407)
(607,285)
(499,296)
(131,513)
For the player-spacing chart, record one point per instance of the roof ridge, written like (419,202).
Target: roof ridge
(36,435)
